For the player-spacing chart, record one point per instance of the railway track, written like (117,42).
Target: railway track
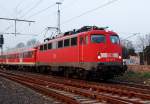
(81,92)
(131,84)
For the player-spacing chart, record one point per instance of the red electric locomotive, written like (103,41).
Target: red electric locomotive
(89,52)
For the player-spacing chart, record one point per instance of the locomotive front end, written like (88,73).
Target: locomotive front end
(108,52)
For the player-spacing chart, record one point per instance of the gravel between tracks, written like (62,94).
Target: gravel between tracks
(14,93)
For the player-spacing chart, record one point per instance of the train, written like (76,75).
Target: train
(90,52)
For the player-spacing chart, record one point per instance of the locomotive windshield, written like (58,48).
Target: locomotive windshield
(97,38)
(114,39)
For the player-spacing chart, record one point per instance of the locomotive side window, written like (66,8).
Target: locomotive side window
(98,38)
(66,42)
(41,48)
(49,45)
(45,46)
(74,41)
(60,44)
(114,39)
(54,45)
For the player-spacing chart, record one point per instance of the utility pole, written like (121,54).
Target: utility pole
(58,16)
(1,45)
(16,20)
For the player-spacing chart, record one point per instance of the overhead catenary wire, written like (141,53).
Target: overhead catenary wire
(19,4)
(71,3)
(134,34)
(16,8)
(101,6)
(24,13)
(43,10)
(33,15)
(19,34)
(32,8)
(89,11)
(11,13)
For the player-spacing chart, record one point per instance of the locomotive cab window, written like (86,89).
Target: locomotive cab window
(98,38)
(114,39)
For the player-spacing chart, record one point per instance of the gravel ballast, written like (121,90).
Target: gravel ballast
(14,93)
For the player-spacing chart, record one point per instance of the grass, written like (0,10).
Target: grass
(131,76)
(137,74)
(146,75)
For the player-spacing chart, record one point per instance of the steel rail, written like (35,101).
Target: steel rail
(81,91)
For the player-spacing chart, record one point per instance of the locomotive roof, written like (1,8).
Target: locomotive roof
(104,32)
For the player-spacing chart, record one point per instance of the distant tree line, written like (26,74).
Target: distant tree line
(129,48)
(29,43)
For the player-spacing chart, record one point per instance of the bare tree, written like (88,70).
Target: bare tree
(128,44)
(20,45)
(128,48)
(148,39)
(143,41)
(32,42)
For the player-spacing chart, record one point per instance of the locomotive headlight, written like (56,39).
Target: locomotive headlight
(120,57)
(99,57)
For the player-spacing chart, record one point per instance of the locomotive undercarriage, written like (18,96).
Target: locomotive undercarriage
(99,71)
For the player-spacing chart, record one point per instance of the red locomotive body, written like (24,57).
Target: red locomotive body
(90,52)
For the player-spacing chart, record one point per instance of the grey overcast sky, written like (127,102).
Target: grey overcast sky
(123,16)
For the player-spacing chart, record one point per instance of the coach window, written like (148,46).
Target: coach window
(4,56)
(20,55)
(30,54)
(17,56)
(60,44)
(66,42)
(45,46)
(74,41)
(41,48)
(25,54)
(49,45)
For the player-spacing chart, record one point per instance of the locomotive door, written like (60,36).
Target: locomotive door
(82,43)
